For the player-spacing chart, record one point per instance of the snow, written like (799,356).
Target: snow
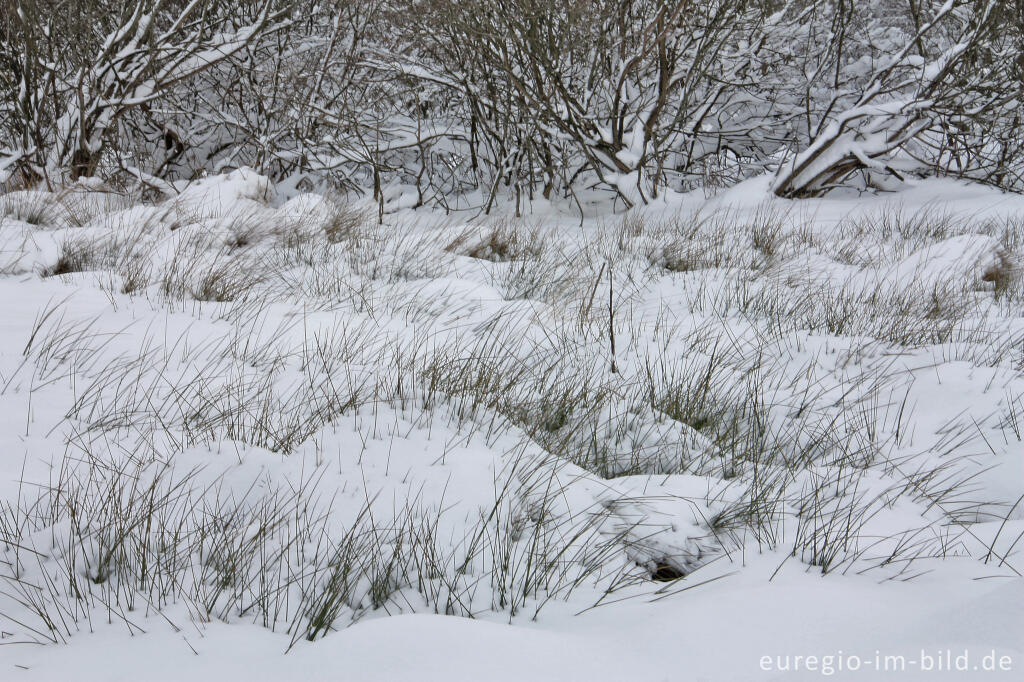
(443,384)
(720,634)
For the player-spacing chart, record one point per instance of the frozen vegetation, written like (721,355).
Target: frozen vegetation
(248,433)
(598,340)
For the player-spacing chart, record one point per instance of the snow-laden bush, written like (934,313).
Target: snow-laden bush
(463,104)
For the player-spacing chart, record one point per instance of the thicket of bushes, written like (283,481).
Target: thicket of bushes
(425,100)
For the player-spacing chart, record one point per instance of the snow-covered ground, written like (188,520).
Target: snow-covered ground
(246,435)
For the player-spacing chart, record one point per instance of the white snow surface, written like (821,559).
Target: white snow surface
(249,355)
